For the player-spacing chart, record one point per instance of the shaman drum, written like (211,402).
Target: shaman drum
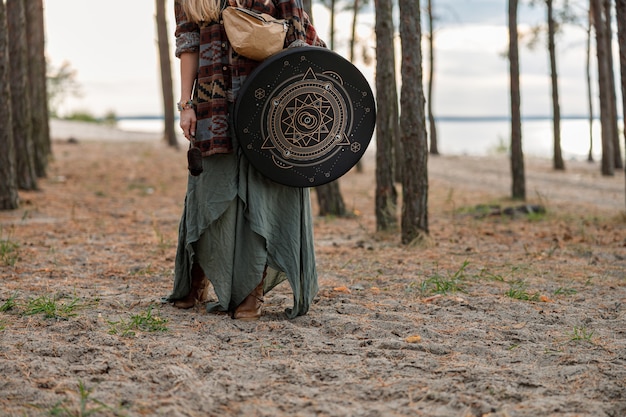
(305,116)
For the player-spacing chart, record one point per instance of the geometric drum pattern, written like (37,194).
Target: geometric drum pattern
(305,116)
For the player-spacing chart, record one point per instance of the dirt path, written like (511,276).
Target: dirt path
(494,316)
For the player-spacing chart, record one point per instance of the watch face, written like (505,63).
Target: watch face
(305,116)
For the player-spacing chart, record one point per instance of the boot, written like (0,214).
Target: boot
(199,289)
(250,308)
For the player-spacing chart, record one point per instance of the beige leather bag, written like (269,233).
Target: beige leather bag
(252,34)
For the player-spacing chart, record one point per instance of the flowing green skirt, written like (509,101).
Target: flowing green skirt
(235,222)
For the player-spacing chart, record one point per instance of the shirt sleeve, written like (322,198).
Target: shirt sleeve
(187,33)
(300,26)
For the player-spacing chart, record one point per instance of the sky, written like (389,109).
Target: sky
(112,47)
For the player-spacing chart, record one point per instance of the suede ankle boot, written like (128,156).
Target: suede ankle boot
(250,308)
(198,292)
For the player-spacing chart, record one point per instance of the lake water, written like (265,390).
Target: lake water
(479,137)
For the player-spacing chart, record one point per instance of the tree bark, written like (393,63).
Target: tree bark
(332,25)
(8,181)
(413,127)
(617,155)
(434,146)
(589,95)
(38,90)
(599,24)
(355,14)
(387,117)
(556,110)
(167,88)
(517,154)
(620,6)
(330,201)
(20,97)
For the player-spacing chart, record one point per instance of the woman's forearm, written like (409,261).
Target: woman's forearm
(188,74)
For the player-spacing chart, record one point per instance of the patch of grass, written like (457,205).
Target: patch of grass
(145,322)
(581,334)
(490,276)
(9,304)
(86,406)
(9,253)
(439,284)
(564,291)
(52,307)
(518,291)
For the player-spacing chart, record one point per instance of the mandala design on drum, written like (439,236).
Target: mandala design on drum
(306,120)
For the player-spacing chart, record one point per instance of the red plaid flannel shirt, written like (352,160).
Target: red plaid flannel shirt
(222,71)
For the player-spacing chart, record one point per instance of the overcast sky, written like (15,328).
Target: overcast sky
(112,46)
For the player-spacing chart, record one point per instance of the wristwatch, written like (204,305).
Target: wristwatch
(184,105)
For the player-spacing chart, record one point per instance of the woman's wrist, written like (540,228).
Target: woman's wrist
(185,105)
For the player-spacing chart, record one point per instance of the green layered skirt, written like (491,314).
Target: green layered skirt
(235,222)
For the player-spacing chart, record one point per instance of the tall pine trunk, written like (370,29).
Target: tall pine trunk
(8,181)
(556,110)
(617,155)
(413,127)
(165,65)
(332,25)
(434,146)
(38,89)
(518,189)
(20,96)
(620,6)
(599,24)
(387,117)
(588,74)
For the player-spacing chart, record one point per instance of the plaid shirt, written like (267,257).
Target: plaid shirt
(221,71)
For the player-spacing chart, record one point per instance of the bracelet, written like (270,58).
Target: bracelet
(184,105)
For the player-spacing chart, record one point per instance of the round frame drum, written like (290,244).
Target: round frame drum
(305,116)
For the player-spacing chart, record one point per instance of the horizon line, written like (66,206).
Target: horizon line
(447,118)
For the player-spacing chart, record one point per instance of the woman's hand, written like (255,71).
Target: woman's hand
(188,123)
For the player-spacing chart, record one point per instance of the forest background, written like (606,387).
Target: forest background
(507,308)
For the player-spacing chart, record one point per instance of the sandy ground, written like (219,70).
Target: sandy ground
(495,315)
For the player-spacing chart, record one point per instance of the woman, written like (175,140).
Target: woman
(242,231)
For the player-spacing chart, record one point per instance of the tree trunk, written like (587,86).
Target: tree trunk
(330,200)
(413,127)
(517,154)
(434,147)
(166,74)
(599,24)
(332,25)
(387,117)
(8,181)
(355,14)
(589,95)
(37,81)
(617,155)
(556,110)
(20,97)
(620,6)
